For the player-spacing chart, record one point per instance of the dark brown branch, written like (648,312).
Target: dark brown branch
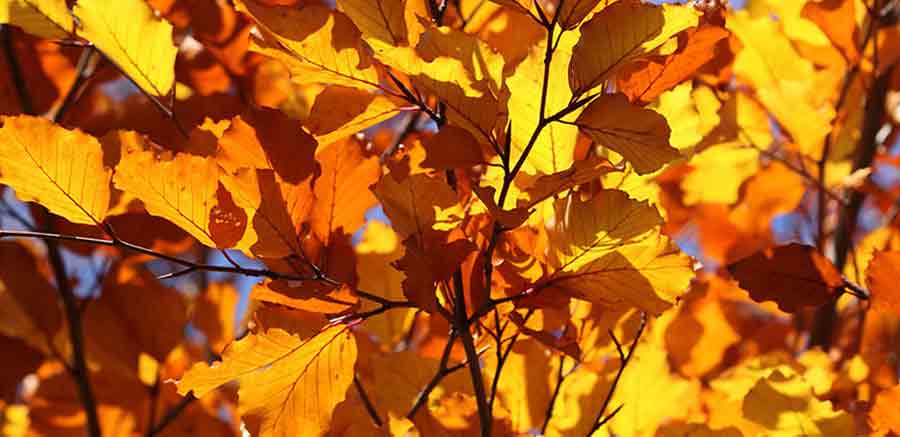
(193,266)
(826,315)
(366,401)
(625,359)
(849,77)
(171,415)
(442,372)
(78,367)
(560,377)
(15,71)
(85,70)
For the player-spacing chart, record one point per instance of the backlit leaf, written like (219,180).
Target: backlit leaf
(61,169)
(183,189)
(881,277)
(48,19)
(288,386)
(381,20)
(132,37)
(606,45)
(319,45)
(640,135)
(609,249)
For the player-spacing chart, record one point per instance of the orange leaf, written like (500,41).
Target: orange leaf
(881,277)
(793,276)
(645,80)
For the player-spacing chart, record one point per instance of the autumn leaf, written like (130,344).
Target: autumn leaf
(417,203)
(554,149)
(784,404)
(604,47)
(303,32)
(640,135)
(132,37)
(183,189)
(881,279)
(793,276)
(48,19)
(290,386)
(342,191)
(646,79)
(28,303)
(381,20)
(341,111)
(59,168)
(609,249)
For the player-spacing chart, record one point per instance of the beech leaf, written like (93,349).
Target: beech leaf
(288,386)
(59,168)
(793,276)
(132,37)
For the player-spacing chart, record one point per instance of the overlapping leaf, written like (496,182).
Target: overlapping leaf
(59,168)
(609,249)
(45,18)
(288,385)
(604,47)
(132,37)
(316,43)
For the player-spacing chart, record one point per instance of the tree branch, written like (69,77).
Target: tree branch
(625,358)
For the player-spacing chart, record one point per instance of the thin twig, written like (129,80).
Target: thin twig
(625,359)
(442,372)
(366,401)
(245,271)
(172,414)
(560,377)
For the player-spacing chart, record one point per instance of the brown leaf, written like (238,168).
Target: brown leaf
(794,276)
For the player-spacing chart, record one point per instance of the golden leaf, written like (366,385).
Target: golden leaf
(133,38)
(61,169)
(288,386)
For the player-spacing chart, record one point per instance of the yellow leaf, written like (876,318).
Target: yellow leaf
(648,374)
(619,33)
(796,26)
(288,386)
(784,80)
(183,189)
(133,38)
(462,71)
(525,386)
(640,135)
(610,249)
(316,43)
(381,20)
(554,149)
(718,173)
(48,19)
(375,255)
(61,169)
(784,403)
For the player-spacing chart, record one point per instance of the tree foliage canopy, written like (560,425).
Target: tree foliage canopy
(449,217)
